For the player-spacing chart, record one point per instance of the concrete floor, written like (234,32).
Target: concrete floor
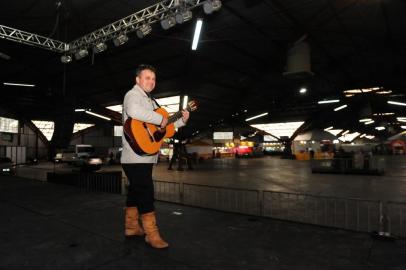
(48,226)
(274,174)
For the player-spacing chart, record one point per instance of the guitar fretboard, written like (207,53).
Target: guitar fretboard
(174,117)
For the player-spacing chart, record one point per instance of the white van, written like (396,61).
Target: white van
(84,150)
(73,153)
(85,158)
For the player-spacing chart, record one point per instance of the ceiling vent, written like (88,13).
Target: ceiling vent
(298,64)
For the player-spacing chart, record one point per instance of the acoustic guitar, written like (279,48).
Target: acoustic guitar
(145,138)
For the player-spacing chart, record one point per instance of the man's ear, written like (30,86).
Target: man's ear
(136,79)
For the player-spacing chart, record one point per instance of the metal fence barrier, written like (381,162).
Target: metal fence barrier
(225,199)
(105,182)
(220,198)
(167,191)
(396,218)
(345,213)
(352,214)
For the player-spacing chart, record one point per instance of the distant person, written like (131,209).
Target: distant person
(179,154)
(184,155)
(111,158)
(175,156)
(311,152)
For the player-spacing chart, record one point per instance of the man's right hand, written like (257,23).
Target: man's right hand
(164,122)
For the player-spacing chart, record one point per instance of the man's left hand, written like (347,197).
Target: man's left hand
(185,116)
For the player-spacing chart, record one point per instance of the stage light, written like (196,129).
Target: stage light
(81,53)
(66,59)
(183,16)
(144,30)
(210,6)
(99,47)
(168,22)
(120,40)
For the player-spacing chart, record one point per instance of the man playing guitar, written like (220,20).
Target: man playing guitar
(139,105)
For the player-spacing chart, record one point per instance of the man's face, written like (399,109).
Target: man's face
(146,80)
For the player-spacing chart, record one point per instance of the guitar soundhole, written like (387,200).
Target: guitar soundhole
(158,135)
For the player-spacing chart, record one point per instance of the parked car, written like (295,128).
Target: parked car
(68,155)
(64,156)
(6,166)
(88,163)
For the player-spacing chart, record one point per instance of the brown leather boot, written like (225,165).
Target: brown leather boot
(151,230)
(132,225)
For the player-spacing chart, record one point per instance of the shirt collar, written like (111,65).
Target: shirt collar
(137,88)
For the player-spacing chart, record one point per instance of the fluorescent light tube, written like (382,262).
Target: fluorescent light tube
(328,101)
(185,100)
(98,115)
(369,122)
(396,103)
(198,29)
(256,116)
(340,108)
(19,84)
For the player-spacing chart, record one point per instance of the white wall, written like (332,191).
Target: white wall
(28,139)
(102,138)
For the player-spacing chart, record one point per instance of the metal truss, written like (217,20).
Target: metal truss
(32,39)
(132,22)
(126,25)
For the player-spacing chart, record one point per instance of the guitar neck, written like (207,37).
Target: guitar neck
(174,117)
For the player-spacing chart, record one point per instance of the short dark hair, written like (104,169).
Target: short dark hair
(142,67)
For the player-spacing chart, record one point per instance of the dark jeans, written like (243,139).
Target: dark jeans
(141,189)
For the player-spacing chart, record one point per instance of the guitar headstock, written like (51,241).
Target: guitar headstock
(191,106)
